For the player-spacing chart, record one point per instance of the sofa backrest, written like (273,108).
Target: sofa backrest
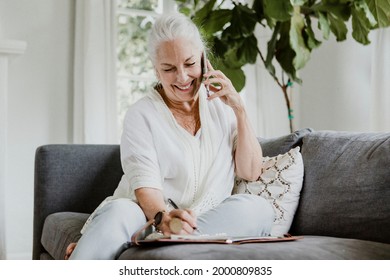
(346,189)
(279,145)
(72,178)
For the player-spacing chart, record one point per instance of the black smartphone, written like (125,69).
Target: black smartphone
(204,70)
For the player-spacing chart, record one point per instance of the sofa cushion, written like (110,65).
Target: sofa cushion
(308,248)
(59,230)
(280,184)
(63,228)
(280,145)
(346,190)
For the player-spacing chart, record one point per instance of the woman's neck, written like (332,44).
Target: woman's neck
(185,108)
(185,113)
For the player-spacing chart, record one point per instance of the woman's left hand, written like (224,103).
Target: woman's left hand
(222,87)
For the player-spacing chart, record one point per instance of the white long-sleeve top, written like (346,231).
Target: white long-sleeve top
(197,172)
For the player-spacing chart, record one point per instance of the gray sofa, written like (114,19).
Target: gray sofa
(343,212)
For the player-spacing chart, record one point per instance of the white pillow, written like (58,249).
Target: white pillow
(281,184)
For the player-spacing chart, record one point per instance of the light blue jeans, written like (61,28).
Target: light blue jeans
(114,224)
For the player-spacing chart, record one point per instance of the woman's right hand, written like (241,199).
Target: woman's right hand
(178,221)
(152,201)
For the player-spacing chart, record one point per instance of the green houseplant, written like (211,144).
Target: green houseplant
(229,27)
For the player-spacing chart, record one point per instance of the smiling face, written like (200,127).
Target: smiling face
(178,67)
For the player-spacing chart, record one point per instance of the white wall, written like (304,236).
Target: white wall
(335,94)
(39,103)
(265,102)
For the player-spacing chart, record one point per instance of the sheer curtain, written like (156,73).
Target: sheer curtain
(3,146)
(380,81)
(94,117)
(8,49)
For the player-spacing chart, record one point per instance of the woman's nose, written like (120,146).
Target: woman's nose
(181,75)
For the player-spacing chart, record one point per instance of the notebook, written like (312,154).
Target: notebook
(157,239)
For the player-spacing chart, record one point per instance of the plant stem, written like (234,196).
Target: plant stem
(288,104)
(220,4)
(283,87)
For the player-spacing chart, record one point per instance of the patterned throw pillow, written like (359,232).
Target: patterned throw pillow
(281,184)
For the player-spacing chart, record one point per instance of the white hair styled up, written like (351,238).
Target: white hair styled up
(172,26)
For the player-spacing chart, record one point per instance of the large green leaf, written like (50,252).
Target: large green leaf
(271,49)
(243,21)
(186,11)
(284,53)
(258,7)
(338,27)
(381,11)
(361,24)
(202,14)
(324,25)
(280,10)
(297,42)
(340,9)
(217,20)
(219,47)
(236,75)
(231,58)
(309,36)
(247,52)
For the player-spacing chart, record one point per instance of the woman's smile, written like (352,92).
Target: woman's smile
(186,87)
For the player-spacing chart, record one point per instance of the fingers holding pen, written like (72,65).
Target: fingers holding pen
(183,220)
(178,221)
(186,217)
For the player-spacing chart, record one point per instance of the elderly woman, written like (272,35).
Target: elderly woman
(183,145)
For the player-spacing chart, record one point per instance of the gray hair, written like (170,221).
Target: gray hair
(169,27)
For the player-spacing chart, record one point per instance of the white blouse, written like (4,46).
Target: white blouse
(157,152)
(197,172)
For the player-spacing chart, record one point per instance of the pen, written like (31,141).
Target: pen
(175,224)
(171,202)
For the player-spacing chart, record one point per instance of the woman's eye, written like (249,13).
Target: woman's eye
(190,64)
(168,70)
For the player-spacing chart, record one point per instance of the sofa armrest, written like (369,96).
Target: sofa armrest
(73,178)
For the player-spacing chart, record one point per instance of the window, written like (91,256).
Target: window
(135,73)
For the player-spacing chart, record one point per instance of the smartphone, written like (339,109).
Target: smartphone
(204,70)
